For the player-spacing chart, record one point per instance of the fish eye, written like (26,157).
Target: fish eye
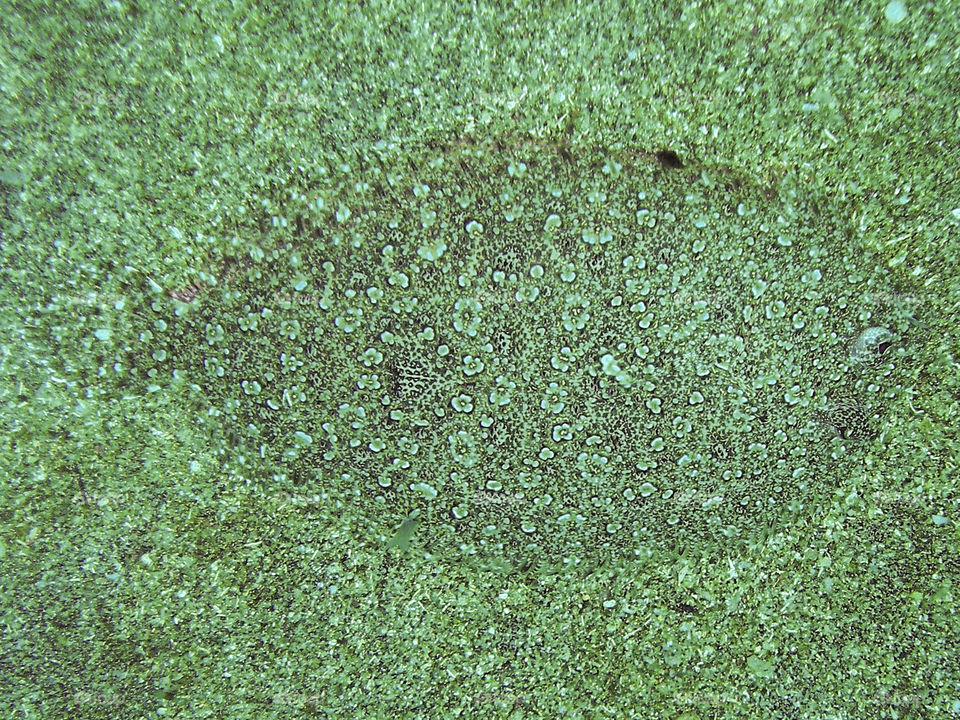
(669,159)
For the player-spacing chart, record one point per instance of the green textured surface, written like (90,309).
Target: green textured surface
(370,363)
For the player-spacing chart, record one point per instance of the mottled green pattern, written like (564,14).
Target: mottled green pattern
(182,535)
(603,360)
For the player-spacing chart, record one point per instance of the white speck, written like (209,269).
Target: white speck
(896,12)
